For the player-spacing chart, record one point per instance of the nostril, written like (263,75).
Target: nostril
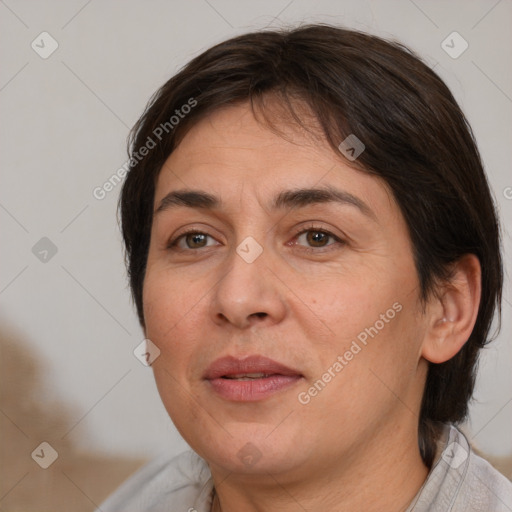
(260,315)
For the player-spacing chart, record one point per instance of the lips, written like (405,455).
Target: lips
(249,379)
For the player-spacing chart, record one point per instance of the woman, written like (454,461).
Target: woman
(314,255)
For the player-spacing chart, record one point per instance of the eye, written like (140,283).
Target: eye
(190,240)
(311,238)
(317,238)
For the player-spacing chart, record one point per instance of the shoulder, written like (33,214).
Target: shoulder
(461,481)
(484,488)
(183,482)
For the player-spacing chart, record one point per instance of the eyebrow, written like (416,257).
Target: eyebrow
(294,199)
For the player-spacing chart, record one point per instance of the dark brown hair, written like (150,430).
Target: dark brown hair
(416,137)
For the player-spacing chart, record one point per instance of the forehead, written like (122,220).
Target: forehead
(235,154)
(237,133)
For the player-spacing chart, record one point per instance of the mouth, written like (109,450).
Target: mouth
(251,379)
(248,376)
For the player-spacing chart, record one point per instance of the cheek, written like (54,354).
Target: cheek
(351,303)
(168,306)
(375,370)
(393,364)
(374,325)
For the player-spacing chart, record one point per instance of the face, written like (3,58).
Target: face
(282,293)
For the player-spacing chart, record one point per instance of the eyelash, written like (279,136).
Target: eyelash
(172,245)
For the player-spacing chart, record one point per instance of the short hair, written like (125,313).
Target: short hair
(416,139)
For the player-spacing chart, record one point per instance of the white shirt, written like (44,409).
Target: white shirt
(459,481)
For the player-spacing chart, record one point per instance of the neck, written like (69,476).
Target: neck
(373,477)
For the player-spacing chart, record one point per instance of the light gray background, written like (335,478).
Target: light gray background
(64,124)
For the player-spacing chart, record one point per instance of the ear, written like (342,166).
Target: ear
(452,311)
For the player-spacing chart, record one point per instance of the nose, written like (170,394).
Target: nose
(247,294)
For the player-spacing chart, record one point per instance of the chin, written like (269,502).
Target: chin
(250,449)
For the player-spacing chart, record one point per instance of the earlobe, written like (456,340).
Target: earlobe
(453,311)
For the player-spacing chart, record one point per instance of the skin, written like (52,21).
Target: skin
(302,308)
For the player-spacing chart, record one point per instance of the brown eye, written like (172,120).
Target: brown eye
(195,240)
(316,238)
(191,240)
